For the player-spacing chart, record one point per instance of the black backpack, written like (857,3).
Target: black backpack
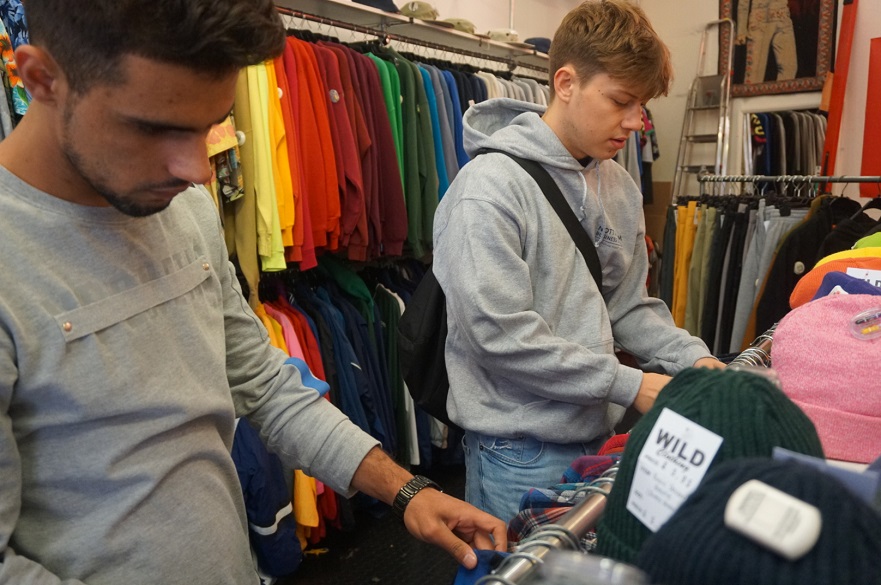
(422,329)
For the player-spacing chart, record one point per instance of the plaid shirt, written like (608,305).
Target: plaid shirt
(541,506)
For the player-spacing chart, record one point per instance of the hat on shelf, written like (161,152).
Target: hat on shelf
(508,35)
(424,11)
(826,355)
(386,5)
(852,262)
(748,411)
(541,44)
(461,24)
(697,547)
(505,35)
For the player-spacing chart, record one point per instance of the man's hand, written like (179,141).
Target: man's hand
(432,516)
(709,362)
(454,526)
(648,391)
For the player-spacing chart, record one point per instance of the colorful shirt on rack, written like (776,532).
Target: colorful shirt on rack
(13,17)
(17,92)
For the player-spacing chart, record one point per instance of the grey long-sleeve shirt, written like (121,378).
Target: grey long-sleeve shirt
(126,352)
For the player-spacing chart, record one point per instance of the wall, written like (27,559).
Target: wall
(681,29)
(682,35)
(532,18)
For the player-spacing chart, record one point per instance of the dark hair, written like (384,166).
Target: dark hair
(88,39)
(612,37)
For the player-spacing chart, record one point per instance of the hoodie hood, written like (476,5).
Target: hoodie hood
(515,127)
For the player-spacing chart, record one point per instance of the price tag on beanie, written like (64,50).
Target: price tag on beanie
(673,461)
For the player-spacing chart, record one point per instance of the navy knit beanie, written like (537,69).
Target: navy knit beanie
(694,547)
(749,412)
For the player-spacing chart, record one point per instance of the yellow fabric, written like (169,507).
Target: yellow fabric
(677,257)
(273,327)
(305,506)
(684,248)
(284,190)
(845,254)
(241,215)
(269,246)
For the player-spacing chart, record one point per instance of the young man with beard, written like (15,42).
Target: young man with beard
(126,348)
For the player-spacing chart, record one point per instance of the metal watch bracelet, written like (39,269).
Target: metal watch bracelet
(410,489)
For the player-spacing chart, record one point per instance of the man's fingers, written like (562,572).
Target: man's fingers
(483,541)
(500,538)
(459,549)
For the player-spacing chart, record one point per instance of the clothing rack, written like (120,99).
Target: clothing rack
(564,534)
(790,179)
(385,37)
(786,181)
(758,354)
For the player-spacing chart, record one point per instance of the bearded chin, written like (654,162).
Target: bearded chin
(130,208)
(117,201)
(120,202)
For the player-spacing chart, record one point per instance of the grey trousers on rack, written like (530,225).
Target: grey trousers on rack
(770,228)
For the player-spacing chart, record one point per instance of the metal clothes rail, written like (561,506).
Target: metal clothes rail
(375,23)
(565,534)
(758,354)
(790,179)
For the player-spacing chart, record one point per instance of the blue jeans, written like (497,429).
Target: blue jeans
(499,471)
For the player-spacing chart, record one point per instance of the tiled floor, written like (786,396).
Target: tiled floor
(381,551)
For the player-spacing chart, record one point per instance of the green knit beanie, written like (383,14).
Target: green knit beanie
(695,547)
(749,412)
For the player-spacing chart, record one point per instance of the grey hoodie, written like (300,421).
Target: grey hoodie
(530,349)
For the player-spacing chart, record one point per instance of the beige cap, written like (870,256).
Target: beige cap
(461,24)
(423,11)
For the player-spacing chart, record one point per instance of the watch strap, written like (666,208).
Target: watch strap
(410,489)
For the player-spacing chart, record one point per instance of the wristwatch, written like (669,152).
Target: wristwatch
(410,489)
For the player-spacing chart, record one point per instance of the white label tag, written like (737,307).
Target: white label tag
(670,466)
(873,277)
(774,519)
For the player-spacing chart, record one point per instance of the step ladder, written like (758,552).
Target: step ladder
(703,147)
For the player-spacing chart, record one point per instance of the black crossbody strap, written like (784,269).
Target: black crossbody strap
(564,211)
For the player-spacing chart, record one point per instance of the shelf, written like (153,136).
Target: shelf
(405,28)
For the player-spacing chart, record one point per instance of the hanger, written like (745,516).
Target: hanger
(872,204)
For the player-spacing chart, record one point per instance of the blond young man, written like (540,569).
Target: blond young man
(534,379)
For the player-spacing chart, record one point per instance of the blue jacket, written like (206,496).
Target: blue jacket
(272,528)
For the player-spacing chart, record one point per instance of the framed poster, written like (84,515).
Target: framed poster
(780,46)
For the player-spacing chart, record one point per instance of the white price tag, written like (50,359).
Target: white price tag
(669,468)
(873,277)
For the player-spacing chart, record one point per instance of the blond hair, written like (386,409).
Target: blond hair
(616,38)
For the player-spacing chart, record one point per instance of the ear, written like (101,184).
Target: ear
(564,82)
(40,73)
